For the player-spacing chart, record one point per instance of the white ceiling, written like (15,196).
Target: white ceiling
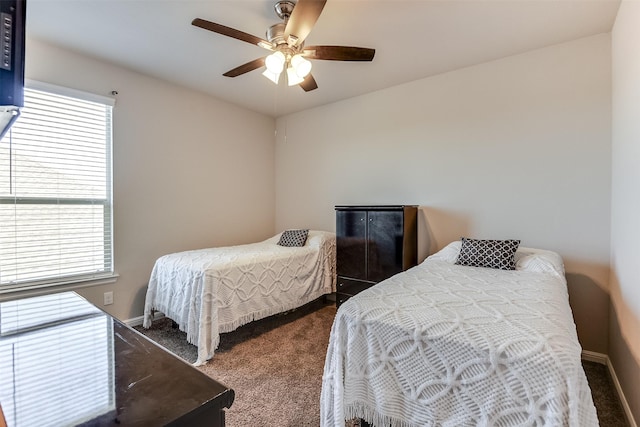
(413,40)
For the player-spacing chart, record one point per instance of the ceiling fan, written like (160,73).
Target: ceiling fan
(286,42)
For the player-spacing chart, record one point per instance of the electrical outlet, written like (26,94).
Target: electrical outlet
(108,298)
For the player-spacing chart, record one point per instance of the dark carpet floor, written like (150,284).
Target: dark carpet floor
(605,397)
(275,367)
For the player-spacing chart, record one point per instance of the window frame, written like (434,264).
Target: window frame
(69,282)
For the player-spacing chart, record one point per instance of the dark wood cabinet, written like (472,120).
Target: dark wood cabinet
(373,244)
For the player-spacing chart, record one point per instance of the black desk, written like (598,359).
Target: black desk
(65,362)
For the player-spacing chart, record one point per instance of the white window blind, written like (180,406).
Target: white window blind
(55,192)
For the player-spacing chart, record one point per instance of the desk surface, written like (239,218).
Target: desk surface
(65,362)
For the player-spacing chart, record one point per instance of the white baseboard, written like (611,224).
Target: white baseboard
(623,399)
(137,321)
(592,356)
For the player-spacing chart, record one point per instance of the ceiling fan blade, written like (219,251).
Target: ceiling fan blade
(230,32)
(339,53)
(309,83)
(302,19)
(245,68)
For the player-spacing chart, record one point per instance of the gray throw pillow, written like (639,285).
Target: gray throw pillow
(488,253)
(293,238)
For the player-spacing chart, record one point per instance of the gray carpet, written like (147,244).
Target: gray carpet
(275,367)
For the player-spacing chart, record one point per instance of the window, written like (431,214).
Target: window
(55,191)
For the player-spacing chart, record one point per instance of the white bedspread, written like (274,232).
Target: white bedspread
(447,345)
(211,291)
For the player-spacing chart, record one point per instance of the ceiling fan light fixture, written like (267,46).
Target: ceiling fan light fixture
(301,65)
(274,77)
(293,78)
(275,62)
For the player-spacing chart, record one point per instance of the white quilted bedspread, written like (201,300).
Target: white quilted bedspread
(211,291)
(447,345)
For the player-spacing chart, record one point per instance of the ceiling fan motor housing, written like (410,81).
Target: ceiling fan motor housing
(275,34)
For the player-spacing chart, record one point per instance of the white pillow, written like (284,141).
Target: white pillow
(540,261)
(318,238)
(447,254)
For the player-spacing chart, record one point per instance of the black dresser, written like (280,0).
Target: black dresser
(373,244)
(67,363)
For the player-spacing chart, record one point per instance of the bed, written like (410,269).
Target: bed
(443,344)
(212,291)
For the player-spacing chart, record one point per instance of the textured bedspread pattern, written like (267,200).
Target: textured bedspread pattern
(447,345)
(211,291)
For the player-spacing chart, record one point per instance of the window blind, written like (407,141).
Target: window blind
(55,191)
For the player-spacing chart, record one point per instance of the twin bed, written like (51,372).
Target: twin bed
(212,291)
(440,344)
(452,345)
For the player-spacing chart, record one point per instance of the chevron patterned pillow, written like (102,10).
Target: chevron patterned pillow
(293,238)
(488,253)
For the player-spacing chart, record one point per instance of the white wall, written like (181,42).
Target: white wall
(515,148)
(625,205)
(190,171)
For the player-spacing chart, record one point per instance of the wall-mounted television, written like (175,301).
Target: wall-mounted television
(12,43)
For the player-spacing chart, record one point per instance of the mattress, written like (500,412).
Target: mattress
(449,345)
(212,291)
